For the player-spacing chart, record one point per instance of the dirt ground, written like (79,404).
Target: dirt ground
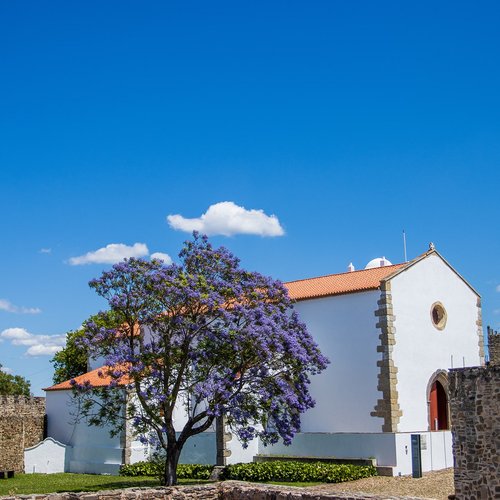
(436,485)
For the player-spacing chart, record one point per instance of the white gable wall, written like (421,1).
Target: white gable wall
(47,457)
(421,349)
(346,392)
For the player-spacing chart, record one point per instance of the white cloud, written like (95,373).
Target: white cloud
(43,350)
(45,250)
(111,254)
(498,288)
(227,218)
(7,306)
(38,345)
(15,334)
(162,256)
(5,369)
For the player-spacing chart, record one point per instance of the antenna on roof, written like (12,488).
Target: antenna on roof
(404,244)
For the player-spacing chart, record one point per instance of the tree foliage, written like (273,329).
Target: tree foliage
(73,359)
(14,385)
(214,340)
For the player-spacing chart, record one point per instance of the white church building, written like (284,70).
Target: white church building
(391,333)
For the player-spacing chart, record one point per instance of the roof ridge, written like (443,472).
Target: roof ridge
(345,272)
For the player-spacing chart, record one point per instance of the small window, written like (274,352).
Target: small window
(438,315)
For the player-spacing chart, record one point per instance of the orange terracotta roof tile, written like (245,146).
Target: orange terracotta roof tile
(97,378)
(123,330)
(339,284)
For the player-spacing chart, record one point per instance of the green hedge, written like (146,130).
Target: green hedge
(194,471)
(184,471)
(140,469)
(293,472)
(298,472)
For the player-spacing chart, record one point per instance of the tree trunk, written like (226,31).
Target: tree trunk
(170,470)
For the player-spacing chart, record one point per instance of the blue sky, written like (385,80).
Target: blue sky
(348,121)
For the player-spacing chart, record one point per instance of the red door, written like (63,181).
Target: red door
(438,407)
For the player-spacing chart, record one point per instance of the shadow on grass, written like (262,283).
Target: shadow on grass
(153,483)
(110,486)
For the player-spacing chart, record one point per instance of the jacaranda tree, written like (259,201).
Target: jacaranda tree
(204,337)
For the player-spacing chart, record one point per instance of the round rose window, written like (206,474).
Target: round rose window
(438,315)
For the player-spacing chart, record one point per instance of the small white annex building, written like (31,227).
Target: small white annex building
(391,333)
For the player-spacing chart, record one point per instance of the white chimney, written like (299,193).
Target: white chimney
(350,268)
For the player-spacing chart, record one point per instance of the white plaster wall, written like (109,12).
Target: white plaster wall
(94,451)
(389,449)
(181,417)
(61,411)
(439,451)
(139,452)
(346,392)
(240,454)
(200,449)
(381,446)
(436,453)
(420,348)
(47,457)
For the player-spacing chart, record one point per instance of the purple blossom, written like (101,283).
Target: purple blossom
(214,339)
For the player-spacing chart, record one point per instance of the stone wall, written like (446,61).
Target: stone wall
(228,490)
(236,490)
(475,415)
(22,424)
(494,346)
(387,407)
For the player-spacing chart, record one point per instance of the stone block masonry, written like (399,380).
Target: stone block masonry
(494,346)
(387,406)
(228,490)
(22,424)
(475,417)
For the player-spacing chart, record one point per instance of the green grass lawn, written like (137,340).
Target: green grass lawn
(23,484)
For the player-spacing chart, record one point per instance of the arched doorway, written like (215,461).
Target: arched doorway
(438,407)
